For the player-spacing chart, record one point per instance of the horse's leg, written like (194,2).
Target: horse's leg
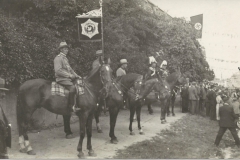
(89,135)
(24,113)
(113,111)
(138,112)
(82,125)
(173,103)
(96,115)
(132,112)
(167,108)
(27,147)
(67,129)
(150,110)
(164,106)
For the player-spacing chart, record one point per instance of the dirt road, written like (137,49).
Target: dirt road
(50,144)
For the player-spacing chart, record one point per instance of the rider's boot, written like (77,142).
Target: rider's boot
(72,103)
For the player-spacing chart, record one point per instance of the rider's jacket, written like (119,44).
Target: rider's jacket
(151,73)
(63,70)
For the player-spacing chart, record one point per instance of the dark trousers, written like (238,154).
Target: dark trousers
(197,107)
(202,105)
(192,106)
(207,108)
(184,104)
(212,107)
(221,132)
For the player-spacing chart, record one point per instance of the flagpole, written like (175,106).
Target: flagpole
(101,5)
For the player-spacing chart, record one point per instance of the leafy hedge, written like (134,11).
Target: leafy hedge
(31,30)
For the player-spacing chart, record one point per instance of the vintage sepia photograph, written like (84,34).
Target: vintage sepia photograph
(119,79)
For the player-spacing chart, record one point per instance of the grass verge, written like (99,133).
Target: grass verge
(190,137)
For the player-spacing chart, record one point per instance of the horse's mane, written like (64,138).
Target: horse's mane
(130,77)
(93,72)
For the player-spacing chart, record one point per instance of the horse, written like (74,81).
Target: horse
(114,100)
(36,93)
(144,91)
(171,81)
(5,135)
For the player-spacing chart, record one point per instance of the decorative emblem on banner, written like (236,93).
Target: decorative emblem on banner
(198,26)
(90,28)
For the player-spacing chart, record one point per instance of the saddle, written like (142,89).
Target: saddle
(57,89)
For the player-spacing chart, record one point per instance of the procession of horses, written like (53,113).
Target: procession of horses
(99,85)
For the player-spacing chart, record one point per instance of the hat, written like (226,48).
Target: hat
(152,60)
(2,85)
(99,52)
(164,63)
(123,61)
(62,45)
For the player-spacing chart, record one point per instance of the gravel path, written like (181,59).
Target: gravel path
(51,143)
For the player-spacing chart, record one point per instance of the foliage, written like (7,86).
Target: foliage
(31,30)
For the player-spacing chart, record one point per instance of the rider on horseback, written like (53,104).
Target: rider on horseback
(65,75)
(163,69)
(151,73)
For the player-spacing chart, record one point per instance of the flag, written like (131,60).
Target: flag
(90,26)
(197,22)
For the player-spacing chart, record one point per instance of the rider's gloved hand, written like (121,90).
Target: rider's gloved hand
(72,77)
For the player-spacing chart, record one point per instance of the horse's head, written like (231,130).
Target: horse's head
(105,74)
(5,135)
(176,78)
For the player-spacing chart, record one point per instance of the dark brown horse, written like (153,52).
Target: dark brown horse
(171,81)
(135,106)
(114,99)
(5,135)
(36,93)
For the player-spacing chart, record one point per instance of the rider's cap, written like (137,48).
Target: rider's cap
(62,45)
(123,61)
(99,52)
(164,63)
(2,85)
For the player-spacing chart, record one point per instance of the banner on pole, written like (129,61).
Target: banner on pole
(90,26)
(197,22)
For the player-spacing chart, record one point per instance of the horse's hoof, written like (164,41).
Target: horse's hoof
(23,150)
(31,152)
(132,133)
(81,155)
(173,114)
(151,113)
(99,131)
(114,141)
(69,136)
(168,115)
(163,121)
(92,154)
(141,133)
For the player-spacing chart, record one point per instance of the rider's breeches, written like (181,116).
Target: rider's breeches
(72,91)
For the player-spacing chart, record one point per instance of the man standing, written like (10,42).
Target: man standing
(184,95)
(192,98)
(212,103)
(122,69)
(99,61)
(202,101)
(198,98)
(65,75)
(5,126)
(227,118)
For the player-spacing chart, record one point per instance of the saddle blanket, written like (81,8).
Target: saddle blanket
(59,90)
